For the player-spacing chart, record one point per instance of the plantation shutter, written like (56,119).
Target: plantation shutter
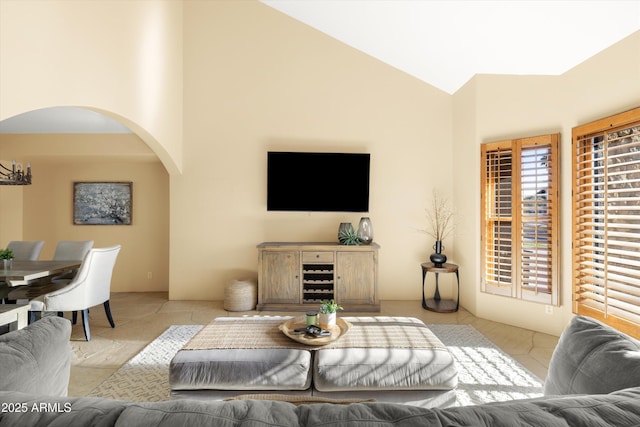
(497,245)
(539,219)
(520,218)
(606,205)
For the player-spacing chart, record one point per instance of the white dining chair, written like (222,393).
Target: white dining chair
(26,250)
(91,286)
(66,250)
(70,250)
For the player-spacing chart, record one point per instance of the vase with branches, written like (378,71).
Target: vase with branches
(440,225)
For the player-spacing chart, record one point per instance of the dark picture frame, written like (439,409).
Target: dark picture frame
(102,203)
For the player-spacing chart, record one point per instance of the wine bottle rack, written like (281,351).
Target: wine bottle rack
(317,283)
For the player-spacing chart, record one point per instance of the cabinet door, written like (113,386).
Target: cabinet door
(355,274)
(280,282)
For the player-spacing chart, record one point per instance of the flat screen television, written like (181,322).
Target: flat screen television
(317,182)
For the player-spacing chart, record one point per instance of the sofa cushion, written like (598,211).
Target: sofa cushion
(620,409)
(617,409)
(219,414)
(356,369)
(241,369)
(593,358)
(37,359)
(35,410)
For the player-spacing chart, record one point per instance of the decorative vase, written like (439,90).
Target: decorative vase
(438,258)
(327,320)
(365,231)
(343,229)
(7,264)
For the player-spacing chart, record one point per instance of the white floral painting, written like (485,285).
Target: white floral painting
(102,203)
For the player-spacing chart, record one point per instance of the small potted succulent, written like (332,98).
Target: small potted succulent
(347,235)
(6,255)
(327,317)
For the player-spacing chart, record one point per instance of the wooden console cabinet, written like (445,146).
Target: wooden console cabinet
(298,276)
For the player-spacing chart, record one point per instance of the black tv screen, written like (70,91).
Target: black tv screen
(317,182)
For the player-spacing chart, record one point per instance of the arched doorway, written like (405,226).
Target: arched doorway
(67,145)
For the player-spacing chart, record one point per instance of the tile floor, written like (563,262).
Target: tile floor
(141,317)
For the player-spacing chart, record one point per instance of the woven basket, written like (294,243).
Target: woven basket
(240,295)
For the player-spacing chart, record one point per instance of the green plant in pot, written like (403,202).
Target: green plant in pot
(328,313)
(348,236)
(6,255)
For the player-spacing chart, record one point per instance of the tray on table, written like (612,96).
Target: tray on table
(338,330)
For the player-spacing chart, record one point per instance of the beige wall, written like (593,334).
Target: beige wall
(500,107)
(254,80)
(121,58)
(257,80)
(465,186)
(46,211)
(249,80)
(11,219)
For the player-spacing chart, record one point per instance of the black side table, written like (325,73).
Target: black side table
(436,304)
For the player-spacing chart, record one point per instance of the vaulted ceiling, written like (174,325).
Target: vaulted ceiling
(445,43)
(442,42)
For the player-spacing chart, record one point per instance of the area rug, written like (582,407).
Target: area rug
(485,373)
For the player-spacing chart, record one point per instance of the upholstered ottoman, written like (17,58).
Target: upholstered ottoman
(225,359)
(395,359)
(387,358)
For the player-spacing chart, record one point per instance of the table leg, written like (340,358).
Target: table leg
(437,304)
(22,320)
(424,301)
(458,297)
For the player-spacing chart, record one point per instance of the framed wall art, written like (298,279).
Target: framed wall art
(102,203)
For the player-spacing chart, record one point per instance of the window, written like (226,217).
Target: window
(606,233)
(520,218)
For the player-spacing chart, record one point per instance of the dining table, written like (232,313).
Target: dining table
(14,315)
(25,272)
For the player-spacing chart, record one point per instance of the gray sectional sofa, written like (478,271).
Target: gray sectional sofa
(593,380)
(37,359)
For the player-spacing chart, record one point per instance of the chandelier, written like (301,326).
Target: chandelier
(16,175)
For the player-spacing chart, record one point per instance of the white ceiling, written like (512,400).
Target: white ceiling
(444,43)
(61,120)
